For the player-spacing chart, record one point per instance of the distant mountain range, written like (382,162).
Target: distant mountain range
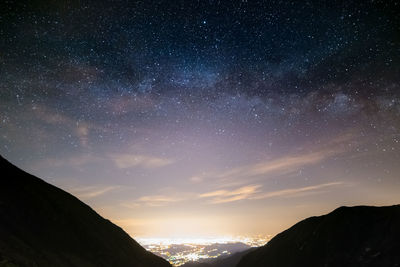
(42,225)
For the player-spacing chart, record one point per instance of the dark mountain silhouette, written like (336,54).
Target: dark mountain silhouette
(348,236)
(42,225)
(223,261)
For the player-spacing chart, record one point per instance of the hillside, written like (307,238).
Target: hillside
(42,225)
(348,236)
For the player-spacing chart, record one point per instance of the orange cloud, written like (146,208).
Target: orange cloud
(157,200)
(88,192)
(253,192)
(224,196)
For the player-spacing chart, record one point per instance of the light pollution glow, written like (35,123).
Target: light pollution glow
(182,250)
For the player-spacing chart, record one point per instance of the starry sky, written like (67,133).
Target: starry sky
(204,118)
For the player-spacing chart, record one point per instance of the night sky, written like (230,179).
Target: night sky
(204,118)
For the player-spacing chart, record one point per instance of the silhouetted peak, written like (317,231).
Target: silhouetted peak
(41,225)
(348,236)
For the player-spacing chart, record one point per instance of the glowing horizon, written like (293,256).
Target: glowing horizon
(182,250)
(259,240)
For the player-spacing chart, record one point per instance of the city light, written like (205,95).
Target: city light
(179,251)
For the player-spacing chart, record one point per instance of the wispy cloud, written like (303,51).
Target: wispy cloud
(158,200)
(126,223)
(285,164)
(88,192)
(253,192)
(296,191)
(310,154)
(74,161)
(224,196)
(124,161)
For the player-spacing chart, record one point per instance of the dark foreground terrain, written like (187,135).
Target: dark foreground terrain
(348,236)
(41,225)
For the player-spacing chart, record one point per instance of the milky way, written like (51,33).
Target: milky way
(176,118)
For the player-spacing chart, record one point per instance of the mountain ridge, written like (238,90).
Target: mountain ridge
(54,228)
(348,236)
